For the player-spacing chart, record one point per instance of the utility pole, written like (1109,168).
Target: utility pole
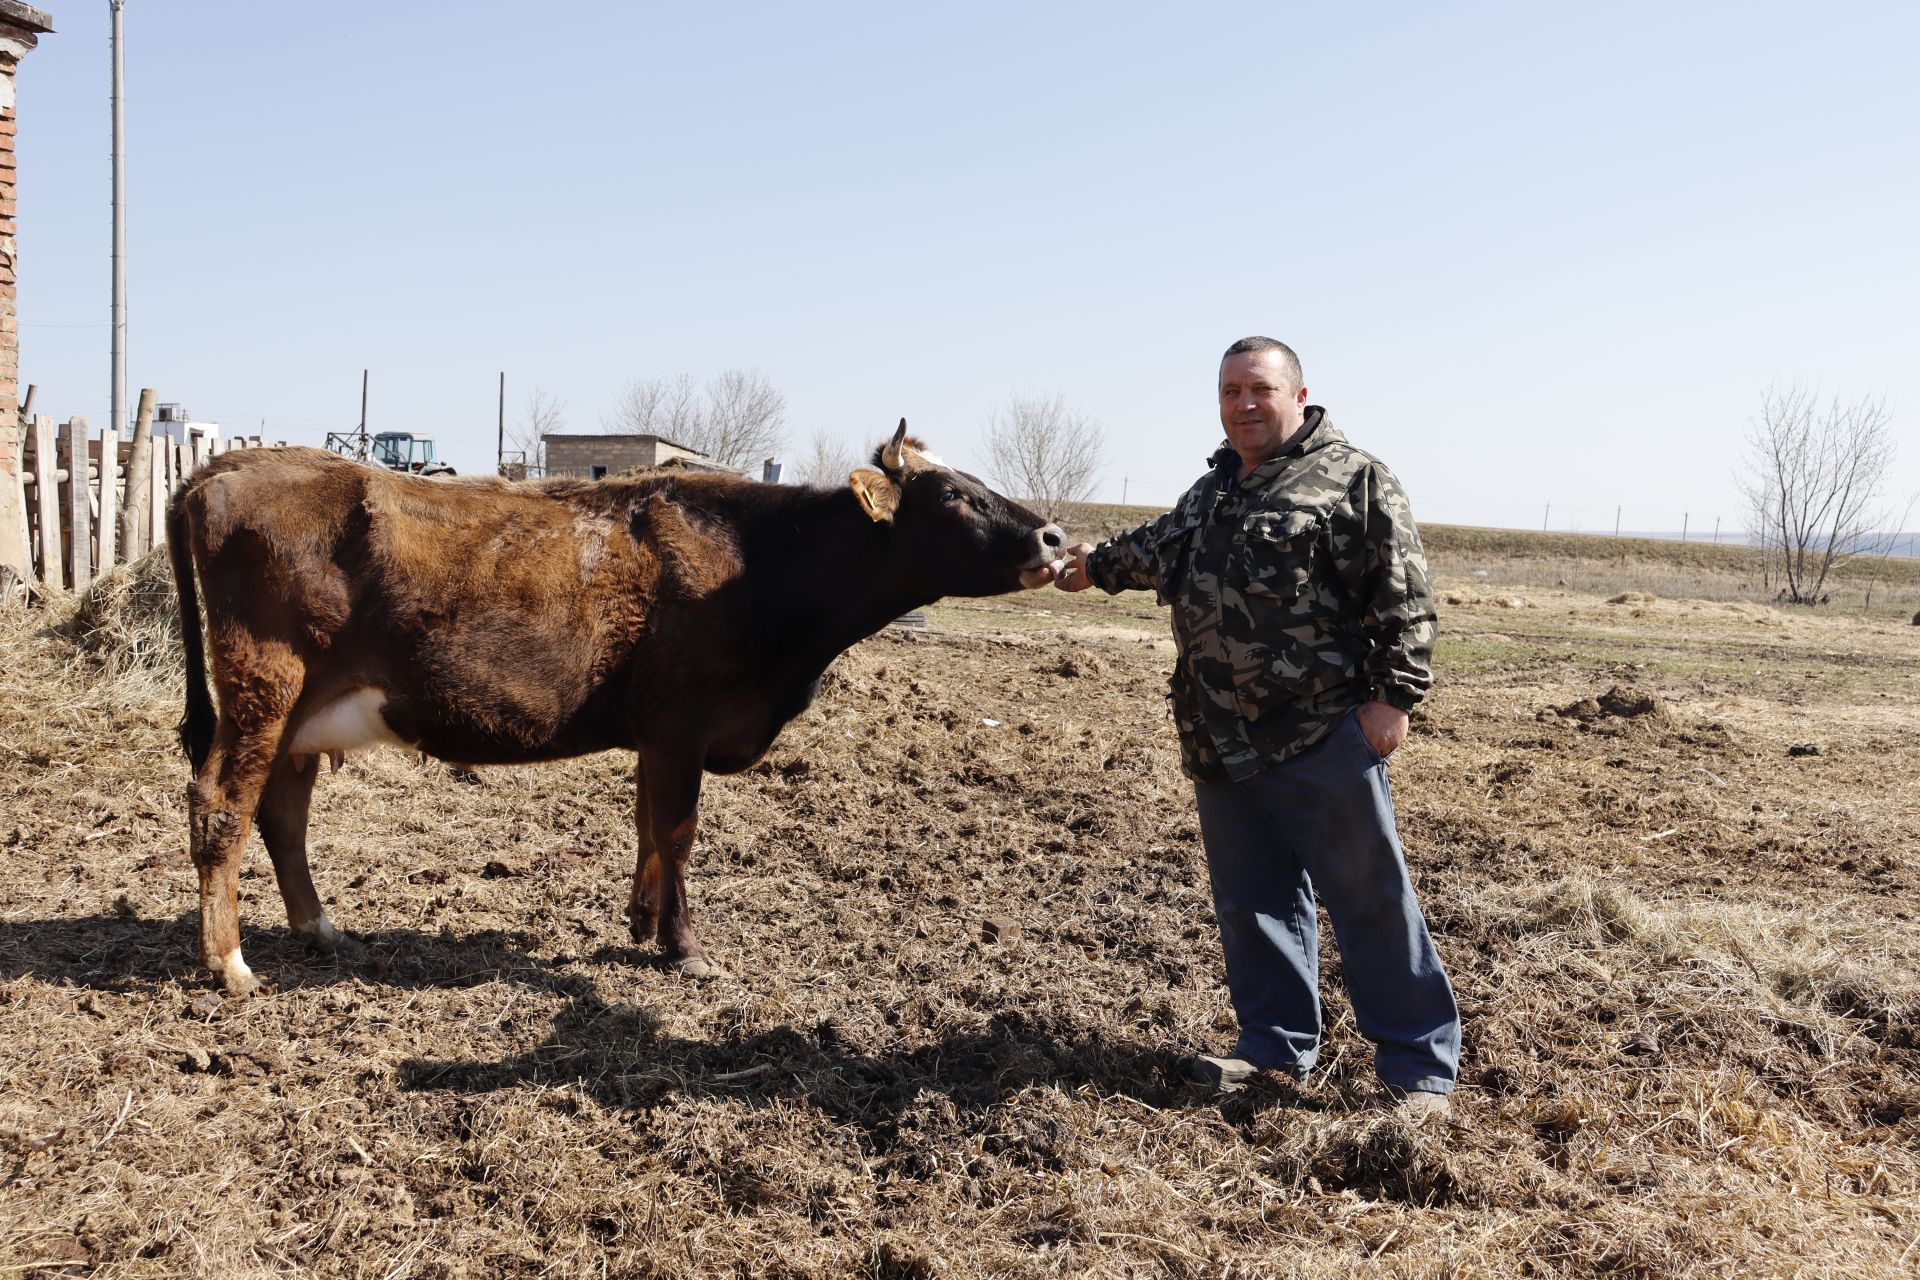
(1683,526)
(500,451)
(1123,491)
(352,444)
(1544,517)
(1716,531)
(117,411)
(1616,522)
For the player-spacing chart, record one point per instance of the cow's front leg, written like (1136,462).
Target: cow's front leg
(643,902)
(673,803)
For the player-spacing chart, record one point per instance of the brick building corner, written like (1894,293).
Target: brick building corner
(21,27)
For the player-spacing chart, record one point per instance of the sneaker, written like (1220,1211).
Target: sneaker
(1417,1105)
(1225,1074)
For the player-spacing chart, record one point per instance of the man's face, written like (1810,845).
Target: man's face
(1259,405)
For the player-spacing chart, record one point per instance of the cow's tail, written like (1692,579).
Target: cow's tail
(196,728)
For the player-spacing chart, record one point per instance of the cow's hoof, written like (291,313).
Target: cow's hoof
(236,978)
(696,967)
(342,946)
(324,937)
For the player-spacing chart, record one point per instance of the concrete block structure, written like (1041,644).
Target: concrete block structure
(598,456)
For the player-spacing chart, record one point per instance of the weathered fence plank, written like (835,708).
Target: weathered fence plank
(107,525)
(16,537)
(79,508)
(136,531)
(47,498)
(158,490)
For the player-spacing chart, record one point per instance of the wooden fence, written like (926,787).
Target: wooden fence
(74,516)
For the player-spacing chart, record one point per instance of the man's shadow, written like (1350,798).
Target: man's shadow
(618,1055)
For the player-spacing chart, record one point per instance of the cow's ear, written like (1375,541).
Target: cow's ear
(879,496)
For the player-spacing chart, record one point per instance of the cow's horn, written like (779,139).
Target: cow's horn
(893,457)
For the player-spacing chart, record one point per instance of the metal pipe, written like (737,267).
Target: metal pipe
(117,412)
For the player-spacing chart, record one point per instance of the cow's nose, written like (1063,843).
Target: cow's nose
(1051,537)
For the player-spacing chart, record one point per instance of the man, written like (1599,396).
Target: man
(1304,624)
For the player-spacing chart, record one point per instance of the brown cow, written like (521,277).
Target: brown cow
(684,617)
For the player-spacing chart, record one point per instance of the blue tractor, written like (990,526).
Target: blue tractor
(394,450)
(404,451)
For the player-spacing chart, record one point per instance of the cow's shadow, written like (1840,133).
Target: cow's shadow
(617,1053)
(130,952)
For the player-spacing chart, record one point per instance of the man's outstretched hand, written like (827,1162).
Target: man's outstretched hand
(1072,575)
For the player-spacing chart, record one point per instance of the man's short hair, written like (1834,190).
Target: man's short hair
(1288,359)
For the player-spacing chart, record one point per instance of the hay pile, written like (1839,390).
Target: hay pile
(124,631)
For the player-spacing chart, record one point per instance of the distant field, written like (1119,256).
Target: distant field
(1599,563)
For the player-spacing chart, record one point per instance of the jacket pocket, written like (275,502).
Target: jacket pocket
(1295,644)
(1170,552)
(1277,552)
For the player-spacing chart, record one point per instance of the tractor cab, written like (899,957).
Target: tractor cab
(404,451)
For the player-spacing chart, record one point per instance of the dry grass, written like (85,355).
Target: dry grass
(1687,962)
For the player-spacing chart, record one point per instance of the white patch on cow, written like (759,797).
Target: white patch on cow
(235,973)
(348,723)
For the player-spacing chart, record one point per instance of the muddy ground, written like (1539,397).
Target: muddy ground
(963,913)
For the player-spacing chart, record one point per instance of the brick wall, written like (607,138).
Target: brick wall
(9,320)
(20,28)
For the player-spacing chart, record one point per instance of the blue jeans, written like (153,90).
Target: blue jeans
(1323,820)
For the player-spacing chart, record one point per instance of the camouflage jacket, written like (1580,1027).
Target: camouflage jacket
(1298,593)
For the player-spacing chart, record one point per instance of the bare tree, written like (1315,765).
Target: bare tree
(736,420)
(827,461)
(544,415)
(1045,450)
(744,420)
(1811,477)
(666,407)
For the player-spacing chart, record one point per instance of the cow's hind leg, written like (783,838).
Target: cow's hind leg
(673,804)
(283,827)
(220,805)
(643,902)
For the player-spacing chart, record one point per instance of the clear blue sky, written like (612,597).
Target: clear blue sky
(1528,253)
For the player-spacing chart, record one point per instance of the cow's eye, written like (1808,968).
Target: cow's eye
(951,494)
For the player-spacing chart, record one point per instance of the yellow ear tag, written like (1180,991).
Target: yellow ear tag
(879,496)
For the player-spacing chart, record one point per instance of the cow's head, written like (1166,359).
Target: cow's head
(955,535)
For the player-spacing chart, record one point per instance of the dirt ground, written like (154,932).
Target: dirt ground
(1669,850)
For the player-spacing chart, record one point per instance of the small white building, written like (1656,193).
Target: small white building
(173,422)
